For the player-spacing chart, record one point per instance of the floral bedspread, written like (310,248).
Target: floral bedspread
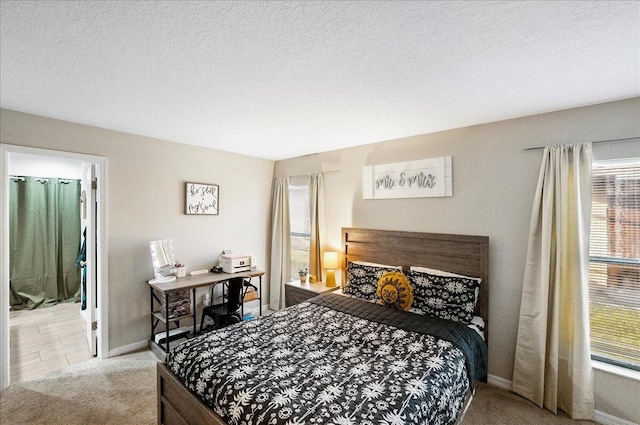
(312,364)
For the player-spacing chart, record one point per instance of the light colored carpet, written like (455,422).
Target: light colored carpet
(122,390)
(495,406)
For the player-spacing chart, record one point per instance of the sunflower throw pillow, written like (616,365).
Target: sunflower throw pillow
(394,289)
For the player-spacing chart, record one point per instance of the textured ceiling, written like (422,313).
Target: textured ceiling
(283,79)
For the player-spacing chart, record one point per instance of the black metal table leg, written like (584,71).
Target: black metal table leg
(242,301)
(260,296)
(166,312)
(153,328)
(194,311)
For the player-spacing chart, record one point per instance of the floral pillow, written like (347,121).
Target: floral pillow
(362,279)
(448,297)
(443,273)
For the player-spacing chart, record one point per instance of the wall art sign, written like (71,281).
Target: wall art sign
(201,198)
(424,178)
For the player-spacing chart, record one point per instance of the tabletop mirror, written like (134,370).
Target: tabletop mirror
(163,261)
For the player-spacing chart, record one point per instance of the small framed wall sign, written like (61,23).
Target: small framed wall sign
(201,199)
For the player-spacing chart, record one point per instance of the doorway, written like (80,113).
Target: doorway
(91,322)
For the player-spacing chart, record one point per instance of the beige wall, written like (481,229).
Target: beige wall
(494,182)
(145,202)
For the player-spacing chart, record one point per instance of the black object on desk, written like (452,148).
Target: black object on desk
(229,312)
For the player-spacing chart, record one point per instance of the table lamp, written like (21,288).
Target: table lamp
(330,262)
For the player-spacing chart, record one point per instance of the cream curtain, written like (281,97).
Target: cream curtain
(317,218)
(280,243)
(552,363)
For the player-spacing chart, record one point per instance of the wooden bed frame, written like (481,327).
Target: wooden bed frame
(460,254)
(466,255)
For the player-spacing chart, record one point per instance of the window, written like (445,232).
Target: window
(300,224)
(614,263)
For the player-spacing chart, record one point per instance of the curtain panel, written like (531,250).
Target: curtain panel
(44,232)
(317,219)
(280,243)
(552,364)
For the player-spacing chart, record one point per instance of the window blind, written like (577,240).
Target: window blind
(300,224)
(614,263)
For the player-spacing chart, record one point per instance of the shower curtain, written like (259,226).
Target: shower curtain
(44,232)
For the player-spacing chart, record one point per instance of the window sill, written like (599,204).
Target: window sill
(616,370)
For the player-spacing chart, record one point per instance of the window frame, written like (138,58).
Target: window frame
(298,182)
(626,368)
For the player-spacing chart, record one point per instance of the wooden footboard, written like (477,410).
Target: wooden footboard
(177,406)
(467,402)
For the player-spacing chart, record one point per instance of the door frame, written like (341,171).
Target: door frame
(101,242)
(88,173)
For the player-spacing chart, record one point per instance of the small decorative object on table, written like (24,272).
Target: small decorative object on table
(303,274)
(181,270)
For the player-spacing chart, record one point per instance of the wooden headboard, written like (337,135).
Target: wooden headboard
(461,254)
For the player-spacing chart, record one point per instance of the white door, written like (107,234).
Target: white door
(88,220)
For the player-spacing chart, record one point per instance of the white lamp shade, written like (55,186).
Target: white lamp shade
(330,260)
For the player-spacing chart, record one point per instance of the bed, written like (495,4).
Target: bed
(338,359)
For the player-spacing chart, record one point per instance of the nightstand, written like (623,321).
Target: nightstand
(296,292)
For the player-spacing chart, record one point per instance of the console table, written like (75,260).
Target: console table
(161,292)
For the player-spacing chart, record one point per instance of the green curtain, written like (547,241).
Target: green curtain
(44,232)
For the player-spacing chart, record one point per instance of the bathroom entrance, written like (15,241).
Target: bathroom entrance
(53,220)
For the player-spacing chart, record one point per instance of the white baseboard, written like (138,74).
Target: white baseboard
(266,309)
(256,310)
(274,307)
(607,419)
(128,348)
(499,382)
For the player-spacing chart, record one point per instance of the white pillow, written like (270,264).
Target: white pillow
(442,273)
(364,263)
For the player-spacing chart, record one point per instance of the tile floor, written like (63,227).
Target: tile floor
(46,339)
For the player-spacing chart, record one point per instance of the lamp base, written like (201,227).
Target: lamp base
(165,279)
(331,279)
